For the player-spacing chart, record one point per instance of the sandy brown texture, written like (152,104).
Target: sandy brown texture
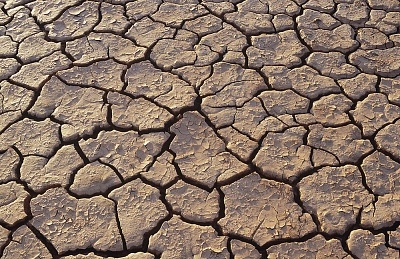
(205,129)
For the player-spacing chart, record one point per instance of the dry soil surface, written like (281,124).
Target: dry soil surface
(144,129)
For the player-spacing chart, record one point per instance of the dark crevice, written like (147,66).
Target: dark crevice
(297,199)
(19,181)
(147,235)
(120,177)
(187,179)
(365,184)
(6,243)
(44,240)
(229,247)
(121,233)
(221,213)
(178,114)
(303,42)
(66,53)
(288,240)
(152,100)
(245,240)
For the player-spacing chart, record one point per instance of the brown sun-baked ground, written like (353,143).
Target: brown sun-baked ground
(199,129)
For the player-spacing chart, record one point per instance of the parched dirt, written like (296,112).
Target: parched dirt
(244,129)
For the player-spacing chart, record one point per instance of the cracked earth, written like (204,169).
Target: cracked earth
(144,129)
